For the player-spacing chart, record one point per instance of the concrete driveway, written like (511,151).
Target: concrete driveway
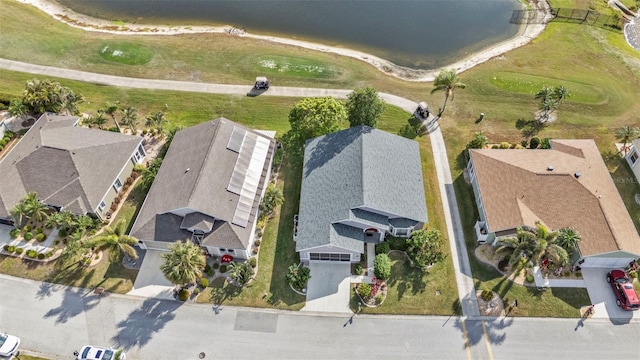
(329,287)
(150,281)
(5,237)
(602,296)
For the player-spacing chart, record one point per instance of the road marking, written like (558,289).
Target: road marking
(466,340)
(486,340)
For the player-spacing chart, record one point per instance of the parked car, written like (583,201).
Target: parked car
(261,83)
(99,353)
(8,345)
(626,295)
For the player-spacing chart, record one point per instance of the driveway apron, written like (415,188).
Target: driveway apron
(151,281)
(602,296)
(329,287)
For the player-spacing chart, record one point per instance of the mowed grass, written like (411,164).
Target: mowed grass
(111,276)
(125,53)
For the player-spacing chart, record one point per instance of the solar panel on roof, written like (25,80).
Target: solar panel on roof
(235,141)
(247,173)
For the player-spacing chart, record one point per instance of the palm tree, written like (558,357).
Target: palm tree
(544,93)
(273,198)
(99,119)
(150,172)
(560,93)
(111,109)
(83,222)
(19,214)
(626,134)
(568,239)
(74,246)
(158,120)
(70,102)
(115,241)
(522,245)
(447,81)
(129,118)
(548,106)
(184,262)
(37,210)
(172,133)
(241,272)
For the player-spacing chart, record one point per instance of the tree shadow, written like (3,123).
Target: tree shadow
(405,277)
(224,291)
(530,128)
(143,323)
(74,302)
(476,330)
(331,145)
(413,129)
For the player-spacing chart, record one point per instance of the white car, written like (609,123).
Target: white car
(99,353)
(8,344)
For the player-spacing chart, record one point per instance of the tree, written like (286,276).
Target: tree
(150,172)
(447,81)
(115,241)
(241,272)
(568,239)
(478,142)
(364,107)
(551,99)
(70,101)
(545,93)
(157,120)
(424,247)
(382,266)
(82,222)
(626,134)
(273,198)
(129,118)
(546,246)
(42,96)
(99,119)
(172,133)
(19,214)
(111,109)
(37,210)
(298,276)
(312,117)
(17,108)
(184,262)
(75,246)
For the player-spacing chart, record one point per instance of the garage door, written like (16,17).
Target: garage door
(604,262)
(329,257)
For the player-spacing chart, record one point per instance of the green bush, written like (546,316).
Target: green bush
(223,269)
(62,233)
(11,249)
(535,141)
(545,143)
(184,294)
(32,253)
(256,243)
(41,237)
(196,291)
(6,247)
(216,266)
(253,262)
(38,230)
(28,236)
(382,266)
(358,269)
(633,275)
(383,248)
(504,145)
(502,265)
(397,243)
(19,250)
(41,256)
(364,290)
(207,268)
(14,233)
(203,282)
(26,228)
(529,278)
(486,295)
(3,142)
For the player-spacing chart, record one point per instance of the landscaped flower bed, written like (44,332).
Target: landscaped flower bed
(372,294)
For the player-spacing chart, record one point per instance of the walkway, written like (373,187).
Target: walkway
(462,267)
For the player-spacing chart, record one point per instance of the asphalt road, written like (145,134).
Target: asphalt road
(54,320)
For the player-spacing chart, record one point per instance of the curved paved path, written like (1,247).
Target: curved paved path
(464,279)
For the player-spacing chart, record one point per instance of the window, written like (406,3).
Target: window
(117,185)
(634,157)
(231,251)
(402,232)
(101,206)
(223,250)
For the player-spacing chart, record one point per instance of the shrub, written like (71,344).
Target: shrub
(358,269)
(504,145)
(28,236)
(259,234)
(502,265)
(383,248)
(216,266)
(535,141)
(183,294)
(14,233)
(19,250)
(382,266)
(49,254)
(26,228)
(633,275)
(545,143)
(207,268)
(38,230)
(223,269)
(6,247)
(32,253)
(144,132)
(62,233)
(203,282)
(364,290)
(495,147)
(256,243)
(529,278)
(397,243)
(41,237)
(11,248)
(196,291)
(253,262)
(41,256)
(524,143)
(298,276)
(486,295)
(3,142)
(254,251)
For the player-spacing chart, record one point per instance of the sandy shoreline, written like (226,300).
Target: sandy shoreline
(524,36)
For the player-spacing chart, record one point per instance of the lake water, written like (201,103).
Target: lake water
(420,34)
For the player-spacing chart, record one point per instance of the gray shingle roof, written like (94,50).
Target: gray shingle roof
(361,168)
(66,165)
(194,177)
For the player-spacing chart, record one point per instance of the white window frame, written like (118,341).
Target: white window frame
(633,157)
(102,206)
(117,185)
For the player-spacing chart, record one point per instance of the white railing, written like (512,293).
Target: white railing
(481,231)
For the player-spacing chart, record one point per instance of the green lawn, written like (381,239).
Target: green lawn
(113,277)
(131,206)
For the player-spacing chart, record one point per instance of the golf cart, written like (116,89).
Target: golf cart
(422,111)
(261,83)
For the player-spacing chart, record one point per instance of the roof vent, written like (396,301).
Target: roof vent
(186,171)
(577,175)
(550,168)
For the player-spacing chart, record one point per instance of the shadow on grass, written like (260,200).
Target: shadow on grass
(413,129)
(143,323)
(222,290)
(285,253)
(529,128)
(404,277)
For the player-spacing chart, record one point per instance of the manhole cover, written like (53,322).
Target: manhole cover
(202,355)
